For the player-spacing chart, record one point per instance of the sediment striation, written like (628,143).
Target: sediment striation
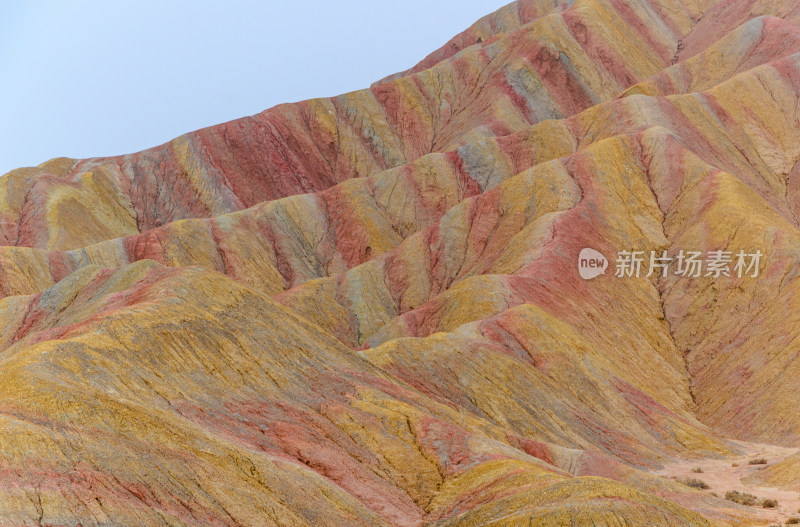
(366,309)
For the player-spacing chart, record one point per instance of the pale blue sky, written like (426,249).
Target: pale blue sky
(94,78)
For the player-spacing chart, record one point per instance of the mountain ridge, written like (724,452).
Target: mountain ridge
(366,309)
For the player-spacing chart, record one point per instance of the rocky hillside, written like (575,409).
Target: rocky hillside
(367,310)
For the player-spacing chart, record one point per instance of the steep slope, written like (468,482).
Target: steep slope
(227,395)
(366,310)
(552,67)
(758,41)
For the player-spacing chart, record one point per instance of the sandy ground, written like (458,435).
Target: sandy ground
(722,476)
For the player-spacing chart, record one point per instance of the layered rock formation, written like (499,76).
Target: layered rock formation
(366,310)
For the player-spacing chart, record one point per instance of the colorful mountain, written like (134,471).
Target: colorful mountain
(367,310)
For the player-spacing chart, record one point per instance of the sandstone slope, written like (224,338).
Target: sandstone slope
(366,309)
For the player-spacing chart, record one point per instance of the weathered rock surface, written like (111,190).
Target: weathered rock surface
(366,310)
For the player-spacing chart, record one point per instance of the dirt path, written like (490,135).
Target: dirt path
(721,475)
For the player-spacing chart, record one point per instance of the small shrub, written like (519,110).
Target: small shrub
(794,520)
(695,483)
(697,470)
(769,503)
(757,461)
(714,494)
(742,498)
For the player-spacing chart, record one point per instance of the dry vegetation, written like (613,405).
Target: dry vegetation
(745,498)
(742,498)
(695,483)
